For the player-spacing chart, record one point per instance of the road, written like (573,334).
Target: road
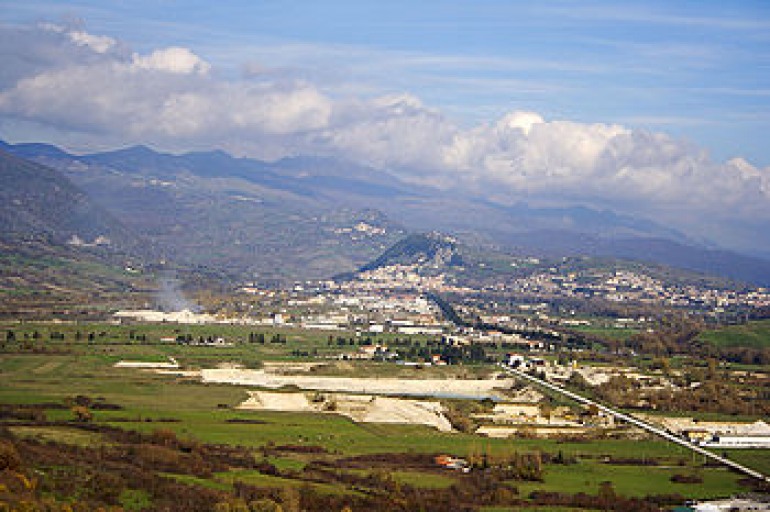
(639,423)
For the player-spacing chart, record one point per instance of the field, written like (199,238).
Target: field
(752,335)
(332,455)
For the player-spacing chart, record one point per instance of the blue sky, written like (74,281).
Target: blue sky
(656,109)
(698,70)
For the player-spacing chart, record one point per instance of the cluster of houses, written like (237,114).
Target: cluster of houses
(625,285)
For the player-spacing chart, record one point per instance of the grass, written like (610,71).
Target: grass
(424,480)
(57,434)
(284,463)
(758,459)
(754,334)
(587,475)
(196,407)
(202,412)
(142,341)
(135,500)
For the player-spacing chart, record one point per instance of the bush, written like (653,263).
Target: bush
(692,478)
(9,457)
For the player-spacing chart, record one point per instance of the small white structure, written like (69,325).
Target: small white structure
(180,317)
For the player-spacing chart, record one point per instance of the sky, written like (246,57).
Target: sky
(653,108)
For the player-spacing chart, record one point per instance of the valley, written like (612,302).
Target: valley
(211,333)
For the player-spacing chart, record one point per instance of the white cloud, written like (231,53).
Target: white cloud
(523,121)
(74,81)
(172,60)
(165,97)
(97,43)
(100,44)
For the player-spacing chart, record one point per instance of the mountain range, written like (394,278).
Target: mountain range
(309,217)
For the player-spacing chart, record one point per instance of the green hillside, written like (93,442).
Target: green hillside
(38,278)
(752,335)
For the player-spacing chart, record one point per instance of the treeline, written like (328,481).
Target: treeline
(36,341)
(78,336)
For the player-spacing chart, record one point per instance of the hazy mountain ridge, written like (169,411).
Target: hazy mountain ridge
(671,253)
(305,217)
(214,210)
(36,200)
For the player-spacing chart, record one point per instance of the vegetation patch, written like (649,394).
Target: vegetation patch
(755,334)
(63,435)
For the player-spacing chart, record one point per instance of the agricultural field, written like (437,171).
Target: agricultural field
(755,334)
(62,400)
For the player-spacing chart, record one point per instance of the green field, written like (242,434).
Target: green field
(756,459)
(61,370)
(587,475)
(755,334)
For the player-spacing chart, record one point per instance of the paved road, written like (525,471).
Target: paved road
(641,424)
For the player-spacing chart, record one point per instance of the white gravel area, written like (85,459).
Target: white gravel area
(458,388)
(360,408)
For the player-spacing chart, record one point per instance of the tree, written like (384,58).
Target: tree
(9,457)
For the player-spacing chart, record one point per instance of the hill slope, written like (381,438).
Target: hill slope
(36,200)
(426,249)
(311,217)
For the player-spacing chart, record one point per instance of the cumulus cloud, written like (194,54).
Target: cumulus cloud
(71,80)
(163,97)
(172,60)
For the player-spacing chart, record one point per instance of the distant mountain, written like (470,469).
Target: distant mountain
(313,217)
(663,251)
(251,218)
(419,248)
(579,219)
(37,201)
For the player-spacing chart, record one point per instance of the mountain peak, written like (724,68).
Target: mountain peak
(419,248)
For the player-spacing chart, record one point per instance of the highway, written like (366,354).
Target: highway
(641,424)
